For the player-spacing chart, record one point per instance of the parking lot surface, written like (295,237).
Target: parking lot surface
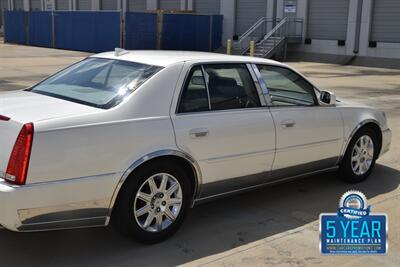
(273,226)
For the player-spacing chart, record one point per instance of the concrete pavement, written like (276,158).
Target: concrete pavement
(274,226)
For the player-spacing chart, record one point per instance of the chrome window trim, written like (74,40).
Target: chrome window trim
(153,155)
(257,84)
(205,78)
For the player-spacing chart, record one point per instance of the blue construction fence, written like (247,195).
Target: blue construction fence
(93,31)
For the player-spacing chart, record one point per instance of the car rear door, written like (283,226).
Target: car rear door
(221,120)
(309,136)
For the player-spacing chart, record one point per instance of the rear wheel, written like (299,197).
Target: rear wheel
(360,157)
(152,204)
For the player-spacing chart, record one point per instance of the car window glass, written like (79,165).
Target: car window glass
(194,96)
(286,87)
(231,87)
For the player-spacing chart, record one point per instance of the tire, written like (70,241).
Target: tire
(130,203)
(366,159)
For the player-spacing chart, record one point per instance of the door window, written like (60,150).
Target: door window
(231,87)
(194,97)
(286,87)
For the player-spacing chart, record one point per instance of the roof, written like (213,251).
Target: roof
(166,58)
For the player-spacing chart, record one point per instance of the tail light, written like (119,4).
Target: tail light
(18,164)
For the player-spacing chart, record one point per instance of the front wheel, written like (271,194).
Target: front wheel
(153,202)
(360,157)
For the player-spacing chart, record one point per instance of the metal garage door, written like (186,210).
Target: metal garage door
(170,4)
(62,4)
(386,21)
(3,6)
(327,19)
(84,5)
(36,5)
(207,6)
(137,5)
(18,4)
(248,12)
(109,5)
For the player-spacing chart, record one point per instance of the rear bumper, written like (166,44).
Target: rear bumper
(386,141)
(74,203)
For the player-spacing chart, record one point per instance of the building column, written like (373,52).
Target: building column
(365,29)
(302,13)
(152,4)
(73,5)
(351,27)
(122,5)
(190,5)
(183,4)
(228,10)
(10,4)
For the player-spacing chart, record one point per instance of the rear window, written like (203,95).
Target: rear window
(97,82)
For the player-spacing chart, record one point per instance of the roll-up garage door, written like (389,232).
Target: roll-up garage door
(18,4)
(137,5)
(386,21)
(36,5)
(84,5)
(109,5)
(62,4)
(327,19)
(207,6)
(3,6)
(248,12)
(170,4)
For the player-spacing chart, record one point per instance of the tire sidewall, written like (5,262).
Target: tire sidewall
(124,217)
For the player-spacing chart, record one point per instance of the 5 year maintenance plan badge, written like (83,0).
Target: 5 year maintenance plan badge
(353,229)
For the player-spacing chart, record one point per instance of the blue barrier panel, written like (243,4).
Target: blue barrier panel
(87,30)
(40,29)
(15,27)
(186,32)
(140,30)
(216,38)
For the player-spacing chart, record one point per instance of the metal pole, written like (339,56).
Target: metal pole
(252,48)
(358,26)
(229,46)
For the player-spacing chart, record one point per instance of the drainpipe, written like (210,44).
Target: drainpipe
(358,27)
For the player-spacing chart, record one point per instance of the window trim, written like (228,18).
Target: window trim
(261,98)
(270,105)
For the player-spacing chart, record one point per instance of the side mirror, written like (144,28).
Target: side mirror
(327,98)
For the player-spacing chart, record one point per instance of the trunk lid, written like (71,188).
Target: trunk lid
(25,107)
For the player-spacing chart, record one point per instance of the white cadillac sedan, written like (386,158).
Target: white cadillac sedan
(140,137)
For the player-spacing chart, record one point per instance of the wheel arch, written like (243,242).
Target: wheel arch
(369,123)
(190,165)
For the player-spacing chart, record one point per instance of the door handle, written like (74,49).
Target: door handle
(198,132)
(288,123)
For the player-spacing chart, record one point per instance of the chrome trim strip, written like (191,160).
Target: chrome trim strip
(243,155)
(208,198)
(63,225)
(288,148)
(153,155)
(263,85)
(206,79)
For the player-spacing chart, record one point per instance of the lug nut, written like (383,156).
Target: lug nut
(152,206)
(158,209)
(164,203)
(161,195)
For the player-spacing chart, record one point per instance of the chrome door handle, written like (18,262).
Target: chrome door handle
(288,123)
(198,132)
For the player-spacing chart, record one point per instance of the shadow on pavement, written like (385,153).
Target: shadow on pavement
(210,228)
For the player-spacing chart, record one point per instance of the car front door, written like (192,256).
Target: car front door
(223,123)
(309,136)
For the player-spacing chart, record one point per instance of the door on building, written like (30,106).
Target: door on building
(249,12)
(62,5)
(84,5)
(35,5)
(386,21)
(327,19)
(170,4)
(207,6)
(137,5)
(109,5)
